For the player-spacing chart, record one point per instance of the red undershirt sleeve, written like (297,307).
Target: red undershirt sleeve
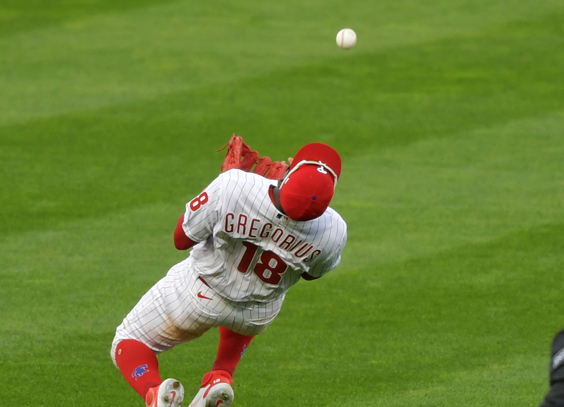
(181,241)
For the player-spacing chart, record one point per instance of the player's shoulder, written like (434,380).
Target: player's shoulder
(330,223)
(239,177)
(333,216)
(240,183)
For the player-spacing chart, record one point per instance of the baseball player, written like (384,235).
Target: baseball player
(253,235)
(555,396)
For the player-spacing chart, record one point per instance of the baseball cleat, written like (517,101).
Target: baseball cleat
(169,394)
(215,391)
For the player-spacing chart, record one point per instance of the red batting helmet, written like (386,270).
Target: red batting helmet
(308,187)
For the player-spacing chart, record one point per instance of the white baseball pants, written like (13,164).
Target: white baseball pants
(181,307)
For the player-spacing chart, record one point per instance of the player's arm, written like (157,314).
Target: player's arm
(181,241)
(201,216)
(322,265)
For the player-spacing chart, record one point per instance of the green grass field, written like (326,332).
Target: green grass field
(449,116)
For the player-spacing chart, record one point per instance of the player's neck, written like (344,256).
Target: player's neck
(274,194)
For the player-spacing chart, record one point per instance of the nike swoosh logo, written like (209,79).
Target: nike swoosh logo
(200,295)
(173,397)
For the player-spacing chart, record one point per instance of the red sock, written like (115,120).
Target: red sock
(139,365)
(231,348)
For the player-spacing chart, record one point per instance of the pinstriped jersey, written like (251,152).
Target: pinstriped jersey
(248,250)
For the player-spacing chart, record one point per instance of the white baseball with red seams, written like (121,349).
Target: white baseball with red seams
(346,38)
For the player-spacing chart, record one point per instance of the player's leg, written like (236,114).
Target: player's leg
(555,396)
(138,364)
(145,332)
(230,350)
(137,358)
(216,385)
(162,319)
(249,320)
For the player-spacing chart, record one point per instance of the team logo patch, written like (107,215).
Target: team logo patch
(139,371)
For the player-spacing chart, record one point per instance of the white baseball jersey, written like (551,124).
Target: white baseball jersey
(248,250)
(249,255)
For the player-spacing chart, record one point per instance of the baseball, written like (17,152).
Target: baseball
(346,38)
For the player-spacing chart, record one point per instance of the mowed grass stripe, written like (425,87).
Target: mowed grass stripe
(412,327)
(86,164)
(125,56)
(440,193)
(17,16)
